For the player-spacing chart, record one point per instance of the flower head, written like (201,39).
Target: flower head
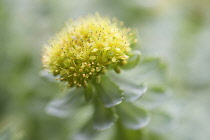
(86,48)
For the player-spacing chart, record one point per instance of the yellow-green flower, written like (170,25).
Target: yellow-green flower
(86,48)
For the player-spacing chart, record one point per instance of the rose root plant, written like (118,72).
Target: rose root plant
(83,57)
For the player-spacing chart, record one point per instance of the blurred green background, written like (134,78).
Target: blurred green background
(178,31)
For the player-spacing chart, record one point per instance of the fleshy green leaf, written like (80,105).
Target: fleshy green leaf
(128,134)
(131,116)
(108,92)
(65,106)
(162,121)
(131,91)
(155,96)
(149,70)
(103,117)
(133,60)
(87,132)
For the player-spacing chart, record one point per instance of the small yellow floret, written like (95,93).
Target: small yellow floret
(86,48)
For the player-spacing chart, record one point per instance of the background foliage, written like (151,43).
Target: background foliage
(176,30)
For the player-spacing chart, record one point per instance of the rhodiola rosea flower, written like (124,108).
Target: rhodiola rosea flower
(83,55)
(87,48)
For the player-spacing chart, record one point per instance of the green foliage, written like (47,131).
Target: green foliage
(114,101)
(108,92)
(174,96)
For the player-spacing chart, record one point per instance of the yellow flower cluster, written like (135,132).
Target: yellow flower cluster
(86,48)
